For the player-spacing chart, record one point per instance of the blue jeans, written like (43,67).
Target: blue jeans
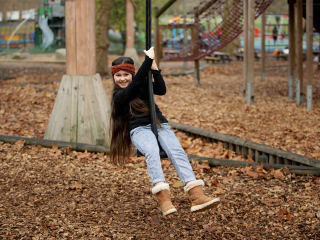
(145,141)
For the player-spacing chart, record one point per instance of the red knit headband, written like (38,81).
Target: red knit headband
(127,67)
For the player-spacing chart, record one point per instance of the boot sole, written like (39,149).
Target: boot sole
(208,205)
(169,211)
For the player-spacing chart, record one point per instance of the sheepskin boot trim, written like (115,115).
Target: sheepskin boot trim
(193,184)
(162,193)
(199,201)
(160,187)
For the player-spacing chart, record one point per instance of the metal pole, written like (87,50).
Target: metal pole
(150,86)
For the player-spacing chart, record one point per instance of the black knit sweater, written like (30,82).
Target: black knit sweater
(139,88)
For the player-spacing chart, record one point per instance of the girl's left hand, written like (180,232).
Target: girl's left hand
(154,65)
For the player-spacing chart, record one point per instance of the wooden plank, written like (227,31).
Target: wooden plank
(272,159)
(256,155)
(245,53)
(67,117)
(251,153)
(299,50)
(287,162)
(263,46)
(104,107)
(57,114)
(250,96)
(93,110)
(74,109)
(238,150)
(80,121)
(309,19)
(87,132)
(85,37)
(292,49)
(231,147)
(71,53)
(244,152)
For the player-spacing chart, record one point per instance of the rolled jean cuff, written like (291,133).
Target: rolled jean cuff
(154,181)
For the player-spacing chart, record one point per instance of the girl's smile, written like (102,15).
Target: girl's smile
(122,78)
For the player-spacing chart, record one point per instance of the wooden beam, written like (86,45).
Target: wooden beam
(129,24)
(85,37)
(250,85)
(299,92)
(245,47)
(165,7)
(263,47)
(71,52)
(309,18)
(292,49)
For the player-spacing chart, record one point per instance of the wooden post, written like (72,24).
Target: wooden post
(130,49)
(292,49)
(245,47)
(263,46)
(196,50)
(250,84)
(81,110)
(299,91)
(309,18)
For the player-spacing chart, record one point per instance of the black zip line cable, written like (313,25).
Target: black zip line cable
(152,107)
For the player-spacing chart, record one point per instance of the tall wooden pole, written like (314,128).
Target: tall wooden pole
(245,47)
(130,49)
(309,18)
(81,110)
(80,37)
(250,84)
(263,47)
(299,91)
(292,49)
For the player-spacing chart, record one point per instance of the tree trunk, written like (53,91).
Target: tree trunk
(102,36)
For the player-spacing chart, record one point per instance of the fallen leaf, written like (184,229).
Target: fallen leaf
(285,215)
(155,221)
(165,164)
(249,159)
(19,144)
(177,184)
(84,155)
(215,183)
(74,186)
(54,147)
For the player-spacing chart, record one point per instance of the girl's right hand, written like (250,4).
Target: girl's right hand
(150,52)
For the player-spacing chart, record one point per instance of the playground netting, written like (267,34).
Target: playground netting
(219,22)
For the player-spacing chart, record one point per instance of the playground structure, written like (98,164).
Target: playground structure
(42,28)
(217,23)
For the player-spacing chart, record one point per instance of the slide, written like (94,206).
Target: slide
(47,34)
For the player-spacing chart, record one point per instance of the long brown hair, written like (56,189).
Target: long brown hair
(120,146)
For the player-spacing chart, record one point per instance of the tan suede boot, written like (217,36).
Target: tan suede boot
(199,201)
(162,193)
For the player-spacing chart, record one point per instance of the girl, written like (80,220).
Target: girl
(130,122)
